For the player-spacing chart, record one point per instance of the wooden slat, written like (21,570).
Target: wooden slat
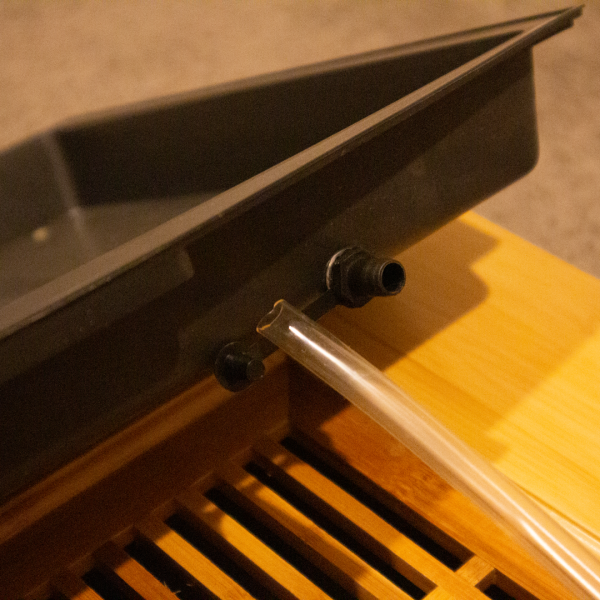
(342,565)
(440,594)
(381,538)
(281,577)
(73,587)
(195,563)
(114,560)
(476,570)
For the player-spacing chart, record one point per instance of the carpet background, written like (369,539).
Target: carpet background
(64,58)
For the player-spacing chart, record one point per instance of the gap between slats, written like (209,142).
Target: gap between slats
(363,525)
(306,537)
(435,542)
(277,528)
(191,560)
(250,552)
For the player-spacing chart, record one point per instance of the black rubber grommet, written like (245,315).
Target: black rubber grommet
(355,276)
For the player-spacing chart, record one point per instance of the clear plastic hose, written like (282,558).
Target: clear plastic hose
(371,391)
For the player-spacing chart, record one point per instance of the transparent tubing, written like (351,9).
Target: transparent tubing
(371,391)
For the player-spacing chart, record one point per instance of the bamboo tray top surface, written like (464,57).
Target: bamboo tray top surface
(501,342)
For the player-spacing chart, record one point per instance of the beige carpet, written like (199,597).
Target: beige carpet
(59,59)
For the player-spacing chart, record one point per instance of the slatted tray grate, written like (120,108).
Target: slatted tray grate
(290,521)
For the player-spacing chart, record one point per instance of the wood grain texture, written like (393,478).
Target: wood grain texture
(195,563)
(475,571)
(112,559)
(334,558)
(440,594)
(378,536)
(253,555)
(501,342)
